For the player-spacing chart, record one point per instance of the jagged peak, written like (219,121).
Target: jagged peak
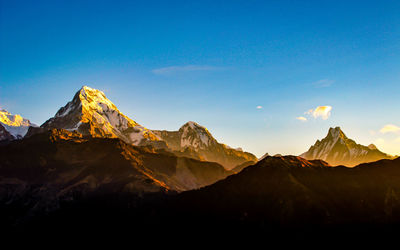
(193,125)
(372,146)
(87,98)
(191,130)
(88,91)
(91,95)
(336,133)
(90,112)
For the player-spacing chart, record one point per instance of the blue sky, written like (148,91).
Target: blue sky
(214,62)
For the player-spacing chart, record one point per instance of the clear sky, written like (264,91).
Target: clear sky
(250,71)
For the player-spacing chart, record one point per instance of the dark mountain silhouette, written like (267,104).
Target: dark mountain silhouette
(58,166)
(290,190)
(279,197)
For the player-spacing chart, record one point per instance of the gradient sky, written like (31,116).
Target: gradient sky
(244,69)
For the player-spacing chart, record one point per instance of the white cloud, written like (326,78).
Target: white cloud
(259,107)
(187,68)
(390,128)
(323,112)
(323,83)
(301,118)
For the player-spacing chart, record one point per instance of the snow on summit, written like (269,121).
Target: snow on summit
(91,113)
(196,136)
(16,125)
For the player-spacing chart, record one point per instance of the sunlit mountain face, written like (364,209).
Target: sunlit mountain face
(193,139)
(91,113)
(13,126)
(337,149)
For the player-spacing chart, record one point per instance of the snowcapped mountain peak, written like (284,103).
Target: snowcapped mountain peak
(337,149)
(91,113)
(193,125)
(196,136)
(90,95)
(195,141)
(16,125)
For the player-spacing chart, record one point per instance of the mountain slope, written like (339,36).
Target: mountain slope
(337,149)
(15,125)
(60,166)
(4,134)
(198,142)
(290,191)
(285,197)
(91,113)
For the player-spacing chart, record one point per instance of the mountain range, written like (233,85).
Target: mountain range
(91,113)
(92,165)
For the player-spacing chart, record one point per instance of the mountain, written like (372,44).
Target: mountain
(290,191)
(13,126)
(198,142)
(91,113)
(60,166)
(337,149)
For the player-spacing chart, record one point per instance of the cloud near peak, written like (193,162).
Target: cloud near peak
(323,112)
(389,128)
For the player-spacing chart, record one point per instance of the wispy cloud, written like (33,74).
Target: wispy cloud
(187,68)
(389,128)
(324,83)
(301,118)
(259,107)
(323,112)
